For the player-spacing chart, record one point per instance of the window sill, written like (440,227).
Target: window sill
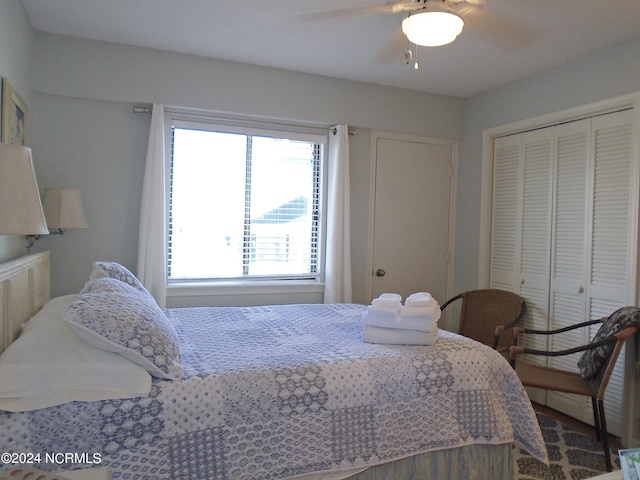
(238,293)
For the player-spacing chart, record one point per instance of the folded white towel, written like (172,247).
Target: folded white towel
(428,312)
(379,317)
(393,308)
(371,334)
(421,295)
(386,302)
(421,324)
(396,297)
(383,317)
(387,318)
(420,299)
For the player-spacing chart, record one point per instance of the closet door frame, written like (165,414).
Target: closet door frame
(631,432)
(488,135)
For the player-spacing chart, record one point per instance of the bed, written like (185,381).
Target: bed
(266,392)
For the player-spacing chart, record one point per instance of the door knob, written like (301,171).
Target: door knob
(380,272)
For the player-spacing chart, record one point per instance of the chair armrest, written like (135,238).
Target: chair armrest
(518,330)
(513,325)
(627,332)
(559,330)
(451,300)
(517,350)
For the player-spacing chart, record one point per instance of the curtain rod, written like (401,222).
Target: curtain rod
(141,109)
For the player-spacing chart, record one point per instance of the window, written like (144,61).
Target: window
(244,202)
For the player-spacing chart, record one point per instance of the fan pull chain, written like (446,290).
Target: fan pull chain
(409,57)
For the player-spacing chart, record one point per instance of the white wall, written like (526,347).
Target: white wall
(607,74)
(16,47)
(100,148)
(87,136)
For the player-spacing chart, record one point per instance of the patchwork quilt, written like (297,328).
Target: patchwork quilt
(281,391)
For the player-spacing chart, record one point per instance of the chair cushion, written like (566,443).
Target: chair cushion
(592,361)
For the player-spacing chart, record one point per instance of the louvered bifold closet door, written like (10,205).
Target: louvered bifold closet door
(564,236)
(505,213)
(521,228)
(593,258)
(535,235)
(611,281)
(567,304)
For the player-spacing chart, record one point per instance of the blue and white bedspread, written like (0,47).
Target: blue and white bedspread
(279,391)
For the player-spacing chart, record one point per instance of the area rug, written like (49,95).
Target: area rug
(572,454)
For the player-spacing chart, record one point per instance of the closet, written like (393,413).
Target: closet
(564,236)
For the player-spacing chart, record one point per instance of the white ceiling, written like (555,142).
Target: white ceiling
(367,48)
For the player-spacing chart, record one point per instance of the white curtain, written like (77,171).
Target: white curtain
(152,244)
(338,252)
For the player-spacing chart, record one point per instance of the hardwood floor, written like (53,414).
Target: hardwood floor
(614,442)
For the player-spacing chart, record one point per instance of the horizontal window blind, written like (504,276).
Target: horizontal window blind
(243,204)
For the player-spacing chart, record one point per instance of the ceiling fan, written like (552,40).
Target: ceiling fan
(438,22)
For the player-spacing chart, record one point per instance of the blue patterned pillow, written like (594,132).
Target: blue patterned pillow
(105,285)
(129,323)
(117,271)
(592,362)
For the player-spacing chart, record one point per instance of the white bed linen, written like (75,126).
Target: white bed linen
(51,365)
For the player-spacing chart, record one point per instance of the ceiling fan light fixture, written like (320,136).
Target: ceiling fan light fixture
(432,29)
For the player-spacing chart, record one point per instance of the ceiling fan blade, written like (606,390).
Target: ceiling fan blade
(498,29)
(390,7)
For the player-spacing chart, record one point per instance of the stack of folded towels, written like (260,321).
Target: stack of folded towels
(387,320)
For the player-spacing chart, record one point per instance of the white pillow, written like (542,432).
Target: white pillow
(130,323)
(50,365)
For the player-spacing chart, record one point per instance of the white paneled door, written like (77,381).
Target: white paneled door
(412,215)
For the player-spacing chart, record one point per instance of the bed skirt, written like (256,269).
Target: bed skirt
(473,462)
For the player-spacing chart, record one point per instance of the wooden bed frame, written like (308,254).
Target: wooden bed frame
(24,289)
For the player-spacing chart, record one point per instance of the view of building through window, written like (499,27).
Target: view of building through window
(242,205)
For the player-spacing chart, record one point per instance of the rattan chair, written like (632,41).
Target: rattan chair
(595,365)
(489,316)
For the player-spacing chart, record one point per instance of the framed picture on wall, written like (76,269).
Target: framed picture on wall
(14,115)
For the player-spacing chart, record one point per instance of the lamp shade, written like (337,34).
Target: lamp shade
(63,208)
(432,29)
(20,207)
